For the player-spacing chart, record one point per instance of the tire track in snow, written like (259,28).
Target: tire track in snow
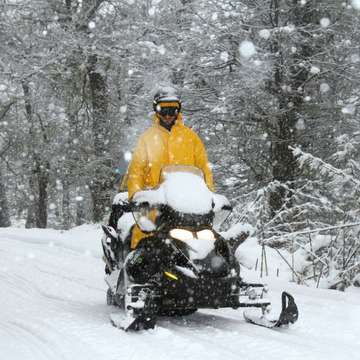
(30,343)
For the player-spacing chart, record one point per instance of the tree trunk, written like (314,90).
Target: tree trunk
(80,212)
(31,207)
(284,165)
(100,185)
(4,208)
(42,174)
(39,177)
(66,214)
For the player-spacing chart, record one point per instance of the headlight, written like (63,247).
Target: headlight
(181,234)
(184,235)
(205,235)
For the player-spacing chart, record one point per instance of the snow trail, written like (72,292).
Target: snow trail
(52,306)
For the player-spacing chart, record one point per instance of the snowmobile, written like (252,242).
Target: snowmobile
(195,266)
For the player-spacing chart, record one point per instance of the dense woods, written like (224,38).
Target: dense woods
(271,86)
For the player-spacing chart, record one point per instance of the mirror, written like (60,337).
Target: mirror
(145,217)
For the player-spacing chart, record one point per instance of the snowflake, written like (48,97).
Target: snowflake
(355,4)
(247,49)
(265,34)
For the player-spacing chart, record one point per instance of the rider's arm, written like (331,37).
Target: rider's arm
(136,171)
(201,161)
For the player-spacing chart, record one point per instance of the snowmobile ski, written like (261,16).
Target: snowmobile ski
(289,314)
(126,322)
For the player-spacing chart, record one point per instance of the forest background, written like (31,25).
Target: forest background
(271,86)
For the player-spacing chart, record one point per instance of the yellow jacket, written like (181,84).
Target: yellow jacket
(158,147)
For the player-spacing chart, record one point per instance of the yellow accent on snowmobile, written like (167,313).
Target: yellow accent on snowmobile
(171,276)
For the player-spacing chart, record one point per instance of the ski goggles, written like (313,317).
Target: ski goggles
(168,111)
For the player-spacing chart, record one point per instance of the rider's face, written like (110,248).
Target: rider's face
(168,118)
(168,114)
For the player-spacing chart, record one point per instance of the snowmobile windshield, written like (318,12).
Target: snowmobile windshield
(183,197)
(169,217)
(183,189)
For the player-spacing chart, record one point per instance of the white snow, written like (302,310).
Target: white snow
(314,70)
(349,109)
(224,56)
(183,191)
(355,4)
(92,25)
(219,126)
(324,88)
(236,230)
(52,306)
(146,224)
(288,28)
(300,124)
(125,223)
(120,197)
(178,191)
(265,34)
(199,249)
(127,155)
(161,50)
(247,49)
(325,22)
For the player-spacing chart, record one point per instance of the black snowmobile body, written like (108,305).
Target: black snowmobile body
(195,269)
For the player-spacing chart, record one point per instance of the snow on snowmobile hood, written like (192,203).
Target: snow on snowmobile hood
(183,191)
(199,249)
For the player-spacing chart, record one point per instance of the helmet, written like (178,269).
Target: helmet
(166,97)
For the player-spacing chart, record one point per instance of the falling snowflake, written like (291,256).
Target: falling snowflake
(349,109)
(314,70)
(247,49)
(224,56)
(127,156)
(265,34)
(161,50)
(324,88)
(300,124)
(355,4)
(325,22)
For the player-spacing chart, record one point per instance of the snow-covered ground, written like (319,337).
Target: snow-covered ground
(52,306)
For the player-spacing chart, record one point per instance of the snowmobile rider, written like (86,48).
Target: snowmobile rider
(167,142)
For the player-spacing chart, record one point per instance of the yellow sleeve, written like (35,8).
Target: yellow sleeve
(201,161)
(136,171)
